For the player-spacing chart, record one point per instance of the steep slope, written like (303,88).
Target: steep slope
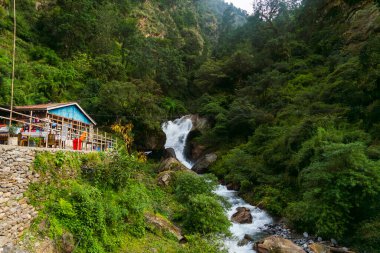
(122,54)
(294,103)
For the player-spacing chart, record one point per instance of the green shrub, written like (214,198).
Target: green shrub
(205,215)
(367,236)
(190,184)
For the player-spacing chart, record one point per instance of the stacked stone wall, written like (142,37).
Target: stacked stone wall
(16,214)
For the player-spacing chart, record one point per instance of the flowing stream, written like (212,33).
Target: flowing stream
(176,133)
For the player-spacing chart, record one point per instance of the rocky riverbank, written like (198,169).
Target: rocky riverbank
(308,243)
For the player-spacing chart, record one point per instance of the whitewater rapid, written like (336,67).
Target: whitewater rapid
(176,134)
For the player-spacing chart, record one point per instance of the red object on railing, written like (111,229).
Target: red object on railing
(77,144)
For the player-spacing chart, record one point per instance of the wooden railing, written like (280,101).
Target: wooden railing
(57,134)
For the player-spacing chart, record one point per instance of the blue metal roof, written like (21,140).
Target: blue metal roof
(71,112)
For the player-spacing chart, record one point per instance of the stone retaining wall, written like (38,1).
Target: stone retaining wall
(16,214)
(15,176)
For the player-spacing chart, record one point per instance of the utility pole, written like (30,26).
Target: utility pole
(13,62)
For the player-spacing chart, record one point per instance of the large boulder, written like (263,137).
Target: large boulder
(165,178)
(171,164)
(164,225)
(277,244)
(242,216)
(204,162)
(193,150)
(169,153)
(199,123)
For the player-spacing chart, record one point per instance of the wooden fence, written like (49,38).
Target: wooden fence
(54,134)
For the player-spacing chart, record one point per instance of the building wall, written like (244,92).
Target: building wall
(71,112)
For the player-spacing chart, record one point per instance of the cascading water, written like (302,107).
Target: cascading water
(176,133)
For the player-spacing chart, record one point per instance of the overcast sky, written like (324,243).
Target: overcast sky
(242,4)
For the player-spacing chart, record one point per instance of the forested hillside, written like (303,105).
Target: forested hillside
(292,92)
(136,57)
(294,98)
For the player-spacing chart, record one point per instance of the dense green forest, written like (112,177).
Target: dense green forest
(121,53)
(292,91)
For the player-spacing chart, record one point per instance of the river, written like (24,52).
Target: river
(176,134)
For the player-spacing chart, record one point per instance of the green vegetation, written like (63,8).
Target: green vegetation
(111,56)
(97,202)
(292,94)
(294,106)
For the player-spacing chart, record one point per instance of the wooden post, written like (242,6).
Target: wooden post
(101,142)
(60,135)
(97,138)
(105,137)
(30,126)
(47,134)
(92,138)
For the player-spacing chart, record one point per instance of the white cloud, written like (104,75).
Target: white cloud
(242,4)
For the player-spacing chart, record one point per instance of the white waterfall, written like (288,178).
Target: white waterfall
(176,133)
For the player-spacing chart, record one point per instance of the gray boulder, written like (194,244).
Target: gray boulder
(204,162)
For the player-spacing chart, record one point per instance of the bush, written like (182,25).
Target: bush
(190,184)
(205,215)
(367,235)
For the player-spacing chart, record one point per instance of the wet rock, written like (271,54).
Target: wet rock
(249,237)
(193,150)
(171,164)
(242,216)
(204,162)
(243,242)
(277,244)
(319,248)
(305,234)
(169,153)
(232,187)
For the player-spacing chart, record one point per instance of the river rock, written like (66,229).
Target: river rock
(242,216)
(193,150)
(233,187)
(169,153)
(204,162)
(277,244)
(243,242)
(171,164)
(249,237)
(319,248)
